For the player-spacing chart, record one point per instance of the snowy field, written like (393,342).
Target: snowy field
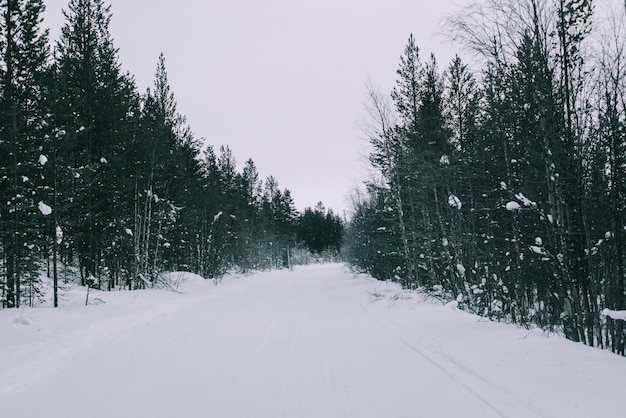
(315,342)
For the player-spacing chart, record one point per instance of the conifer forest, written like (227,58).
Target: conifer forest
(503,188)
(104,182)
(500,177)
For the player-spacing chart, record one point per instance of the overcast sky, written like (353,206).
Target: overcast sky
(279,81)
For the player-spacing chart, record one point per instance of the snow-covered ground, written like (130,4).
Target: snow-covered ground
(315,342)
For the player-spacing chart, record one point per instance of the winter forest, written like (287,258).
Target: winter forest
(500,178)
(504,188)
(109,185)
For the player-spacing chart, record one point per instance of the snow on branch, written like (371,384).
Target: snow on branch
(455,202)
(614,314)
(526,201)
(44,209)
(513,206)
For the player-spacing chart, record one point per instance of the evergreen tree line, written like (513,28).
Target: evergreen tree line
(504,189)
(98,177)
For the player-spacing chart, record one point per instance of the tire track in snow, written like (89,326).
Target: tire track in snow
(494,397)
(305,354)
(334,375)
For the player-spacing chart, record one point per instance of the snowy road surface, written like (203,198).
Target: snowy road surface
(315,342)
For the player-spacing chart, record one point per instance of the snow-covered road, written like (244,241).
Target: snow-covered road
(315,342)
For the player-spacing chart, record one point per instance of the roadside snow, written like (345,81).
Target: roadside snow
(316,342)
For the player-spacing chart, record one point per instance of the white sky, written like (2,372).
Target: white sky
(279,81)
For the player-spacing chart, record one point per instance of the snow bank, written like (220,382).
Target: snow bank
(182,281)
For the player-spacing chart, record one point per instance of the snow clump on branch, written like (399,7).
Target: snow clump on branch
(44,209)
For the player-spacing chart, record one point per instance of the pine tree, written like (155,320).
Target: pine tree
(210,250)
(248,222)
(96,108)
(406,93)
(23,70)
(462,110)
(462,104)
(406,97)
(433,177)
(154,149)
